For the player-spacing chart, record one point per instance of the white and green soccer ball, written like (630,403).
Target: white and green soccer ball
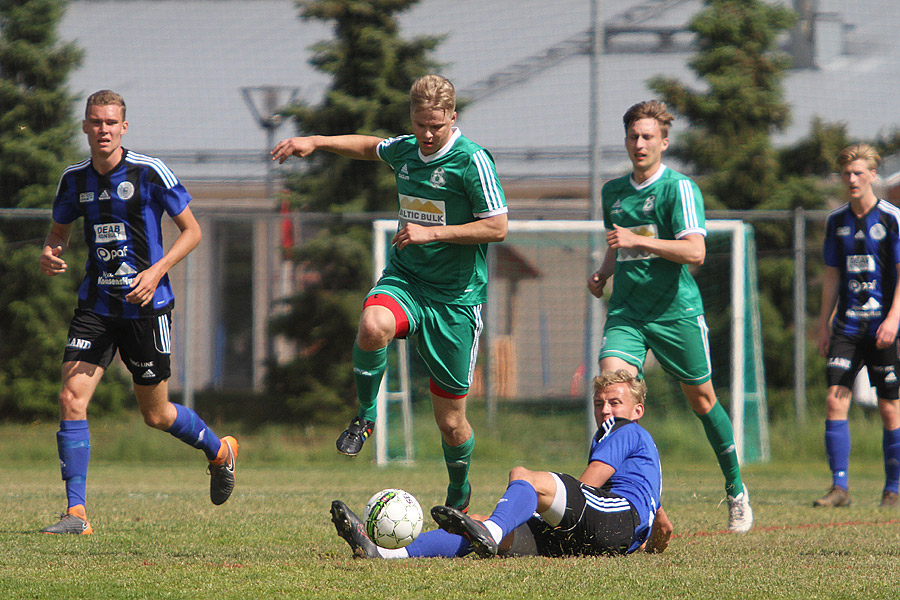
(393,518)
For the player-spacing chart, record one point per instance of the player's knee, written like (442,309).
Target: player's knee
(155,418)
(519,474)
(376,329)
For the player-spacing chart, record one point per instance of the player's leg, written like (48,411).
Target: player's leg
(146,351)
(448,345)
(623,347)
(845,358)
(883,367)
(89,350)
(388,313)
(73,442)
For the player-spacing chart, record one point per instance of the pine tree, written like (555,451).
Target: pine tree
(37,136)
(372,69)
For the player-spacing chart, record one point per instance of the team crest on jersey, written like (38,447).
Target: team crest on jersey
(422,211)
(125,190)
(438,178)
(404,172)
(649,203)
(877,232)
(86,197)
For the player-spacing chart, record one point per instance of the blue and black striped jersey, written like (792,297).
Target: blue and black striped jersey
(866,251)
(122,213)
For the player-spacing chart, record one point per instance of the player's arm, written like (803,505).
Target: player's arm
(597,281)
(55,244)
(596,474)
(659,533)
(887,331)
(144,283)
(689,250)
(479,231)
(830,291)
(360,147)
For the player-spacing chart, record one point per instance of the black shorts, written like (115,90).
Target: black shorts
(587,528)
(143,344)
(847,355)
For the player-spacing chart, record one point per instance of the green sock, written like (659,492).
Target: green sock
(721,437)
(458,459)
(368,370)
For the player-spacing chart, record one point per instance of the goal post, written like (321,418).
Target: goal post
(542,329)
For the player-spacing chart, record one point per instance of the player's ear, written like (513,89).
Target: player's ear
(124,126)
(638,412)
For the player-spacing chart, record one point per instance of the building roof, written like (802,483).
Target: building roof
(181,64)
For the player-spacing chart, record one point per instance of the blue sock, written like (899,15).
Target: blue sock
(891,445)
(73,441)
(515,507)
(190,429)
(438,543)
(837,447)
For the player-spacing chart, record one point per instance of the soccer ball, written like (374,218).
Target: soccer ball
(393,518)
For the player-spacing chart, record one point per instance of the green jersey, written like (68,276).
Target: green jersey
(455,185)
(667,206)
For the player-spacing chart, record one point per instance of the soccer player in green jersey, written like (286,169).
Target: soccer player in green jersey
(656,229)
(451,205)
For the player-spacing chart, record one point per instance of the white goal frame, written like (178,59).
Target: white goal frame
(739,300)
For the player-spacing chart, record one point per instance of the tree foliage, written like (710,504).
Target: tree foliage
(372,69)
(37,136)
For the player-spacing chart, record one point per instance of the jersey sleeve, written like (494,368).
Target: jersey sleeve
(65,205)
(483,186)
(688,214)
(615,447)
(830,246)
(171,194)
(387,149)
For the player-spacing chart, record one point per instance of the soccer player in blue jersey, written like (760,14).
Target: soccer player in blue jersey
(451,205)
(859,318)
(656,229)
(613,508)
(125,300)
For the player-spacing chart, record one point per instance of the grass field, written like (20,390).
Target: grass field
(158,536)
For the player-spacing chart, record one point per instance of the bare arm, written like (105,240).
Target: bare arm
(596,474)
(659,533)
(144,283)
(360,147)
(830,286)
(479,231)
(690,250)
(55,244)
(597,281)
(887,331)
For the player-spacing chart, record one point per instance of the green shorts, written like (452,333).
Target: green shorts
(681,346)
(446,334)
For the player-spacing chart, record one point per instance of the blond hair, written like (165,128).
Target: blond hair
(649,109)
(636,386)
(432,92)
(104,98)
(860,152)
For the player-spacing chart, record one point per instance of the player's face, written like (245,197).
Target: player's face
(615,401)
(857,178)
(645,144)
(104,126)
(432,128)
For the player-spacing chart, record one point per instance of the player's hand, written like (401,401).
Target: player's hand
(143,287)
(886,334)
(51,263)
(596,283)
(823,339)
(295,146)
(619,237)
(659,533)
(413,234)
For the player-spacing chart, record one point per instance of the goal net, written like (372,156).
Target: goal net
(543,328)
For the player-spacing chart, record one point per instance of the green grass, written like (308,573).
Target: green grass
(158,536)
